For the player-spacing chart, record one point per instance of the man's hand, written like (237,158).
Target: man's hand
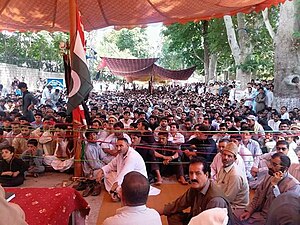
(7,173)
(114,187)
(15,174)
(30,107)
(254,171)
(244,216)
(189,153)
(99,175)
(167,160)
(276,178)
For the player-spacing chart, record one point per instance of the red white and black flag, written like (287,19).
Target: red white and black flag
(80,82)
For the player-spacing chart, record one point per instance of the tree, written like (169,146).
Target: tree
(201,43)
(126,43)
(35,50)
(287,56)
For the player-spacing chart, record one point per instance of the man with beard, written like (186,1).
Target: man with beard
(202,195)
(278,181)
(20,141)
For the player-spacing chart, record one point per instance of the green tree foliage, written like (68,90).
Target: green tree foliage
(132,43)
(36,50)
(184,44)
(261,62)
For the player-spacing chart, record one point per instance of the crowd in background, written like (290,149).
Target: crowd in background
(168,128)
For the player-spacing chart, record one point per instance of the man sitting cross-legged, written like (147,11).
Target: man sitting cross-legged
(278,181)
(127,160)
(134,194)
(202,195)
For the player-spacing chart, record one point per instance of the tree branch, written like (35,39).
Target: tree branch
(269,27)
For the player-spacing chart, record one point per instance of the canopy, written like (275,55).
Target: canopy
(53,15)
(144,70)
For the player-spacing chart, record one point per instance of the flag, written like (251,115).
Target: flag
(80,82)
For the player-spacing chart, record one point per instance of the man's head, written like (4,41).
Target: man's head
(38,117)
(198,172)
(236,138)
(284,125)
(283,110)
(112,119)
(222,144)
(118,127)
(22,86)
(25,130)
(229,154)
(15,127)
(134,189)
(136,138)
(32,144)
(279,164)
(7,152)
(163,122)
(49,86)
(163,138)
(126,115)
(282,146)
(174,127)
(251,120)
(202,132)
(91,135)
(122,146)
(188,123)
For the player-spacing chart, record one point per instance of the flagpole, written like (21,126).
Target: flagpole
(76,132)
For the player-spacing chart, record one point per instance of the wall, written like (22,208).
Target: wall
(27,75)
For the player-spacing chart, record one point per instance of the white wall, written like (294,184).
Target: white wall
(27,75)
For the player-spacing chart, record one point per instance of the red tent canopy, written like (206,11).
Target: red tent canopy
(144,69)
(53,15)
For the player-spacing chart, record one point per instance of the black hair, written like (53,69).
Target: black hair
(33,142)
(9,148)
(202,161)
(282,142)
(119,124)
(135,189)
(285,161)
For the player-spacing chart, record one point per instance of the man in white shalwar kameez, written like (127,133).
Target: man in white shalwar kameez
(126,161)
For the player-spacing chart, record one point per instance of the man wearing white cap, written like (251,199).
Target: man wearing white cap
(233,181)
(255,126)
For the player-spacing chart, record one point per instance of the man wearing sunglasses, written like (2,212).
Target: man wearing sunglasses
(277,181)
(260,165)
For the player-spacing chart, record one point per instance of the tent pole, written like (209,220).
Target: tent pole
(76,131)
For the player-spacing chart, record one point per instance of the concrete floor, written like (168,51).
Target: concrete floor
(53,179)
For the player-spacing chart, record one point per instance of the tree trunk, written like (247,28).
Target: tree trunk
(206,50)
(287,58)
(241,47)
(213,60)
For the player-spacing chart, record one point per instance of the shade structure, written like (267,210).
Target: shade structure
(53,15)
(144,70)
(173,74)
